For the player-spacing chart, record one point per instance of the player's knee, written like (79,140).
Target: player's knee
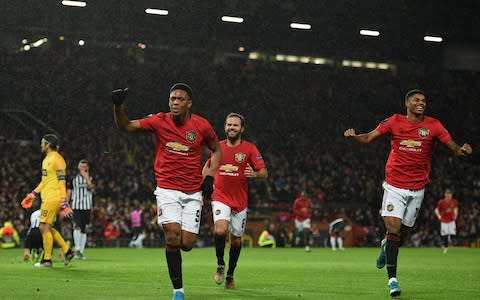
(221,231)
(173,238)
(236,242)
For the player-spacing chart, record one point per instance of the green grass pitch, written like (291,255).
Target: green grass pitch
(282,273)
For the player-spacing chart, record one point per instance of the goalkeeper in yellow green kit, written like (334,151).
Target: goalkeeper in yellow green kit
(53,192)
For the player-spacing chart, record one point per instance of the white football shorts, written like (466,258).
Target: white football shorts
(449,228)
(236,220)
(178,207)
(402,203)
(301,225)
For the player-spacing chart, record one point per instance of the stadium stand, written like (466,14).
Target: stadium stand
(296,114)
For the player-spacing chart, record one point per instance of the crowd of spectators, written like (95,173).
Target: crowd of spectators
(296,114)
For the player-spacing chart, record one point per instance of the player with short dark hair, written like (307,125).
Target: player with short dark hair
(241,161)
(180,136)
(413,137)
(80,190)
(447,213)
(52,189)
(302,209)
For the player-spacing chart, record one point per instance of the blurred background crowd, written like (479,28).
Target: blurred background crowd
(296,114)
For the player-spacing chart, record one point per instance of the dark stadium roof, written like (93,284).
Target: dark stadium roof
(335,23)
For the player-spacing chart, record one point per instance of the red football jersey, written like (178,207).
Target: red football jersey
(178,149)
(446,208)
(231,185)
(302,208)
(408,164)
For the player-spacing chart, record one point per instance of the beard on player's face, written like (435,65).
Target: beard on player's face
(233,134)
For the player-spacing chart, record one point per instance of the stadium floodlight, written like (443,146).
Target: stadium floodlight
(292,58)
(435,39)
(319,61)
(81,42)
(370,65)
(357,64)
(383,66)
(300,26)
(305,59)
(39,42)
(74,3)
(369,32)
(156,11)
(254,55)
(232,19)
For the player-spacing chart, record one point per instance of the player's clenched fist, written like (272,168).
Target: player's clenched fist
(119,95)
(349,132)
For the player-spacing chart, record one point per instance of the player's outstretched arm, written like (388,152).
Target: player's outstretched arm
(464,150)
(120,116)
(364,138)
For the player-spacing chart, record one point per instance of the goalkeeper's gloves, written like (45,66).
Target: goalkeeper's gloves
(66,211)
(207,187)
(28,200)
(119,95)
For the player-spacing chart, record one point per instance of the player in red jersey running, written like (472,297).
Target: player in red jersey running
(447,212)
(302,209)
(181,185)
(413,138)
(240,162)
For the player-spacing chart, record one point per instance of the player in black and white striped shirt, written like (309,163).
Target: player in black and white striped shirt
(33,241)
(80,190)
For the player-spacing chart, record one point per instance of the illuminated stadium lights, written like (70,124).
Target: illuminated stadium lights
(383,66)
(319,61)
(357,64)
(81,42)
(232,19)
(367,65)
(254,55)
(156,11)
(26,47)
(241,49)
(369,32)
(435,39)
(39,42)
(24,41)
(305,59)
(292,58)
(74,3)
(300,26)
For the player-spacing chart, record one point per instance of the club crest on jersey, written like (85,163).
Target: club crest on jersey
(390,207)
(191,136)
(423,132)
(239,157)
(217,212)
